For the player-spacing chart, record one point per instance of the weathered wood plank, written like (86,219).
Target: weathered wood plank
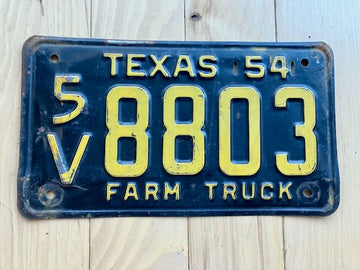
(230,20)
(233,242)
(24,244)
(139,243)
(332,242)
(215,243)
(145,19)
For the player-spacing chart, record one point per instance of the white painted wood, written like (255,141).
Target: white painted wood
(139,243)
(25,244)
(233,242)
(332,242)
(164,243)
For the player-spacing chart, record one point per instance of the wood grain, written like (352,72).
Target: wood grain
(140,20)
(233,242)
(179,243)
(332,242)
(24,244)
(230,20)
(139,243)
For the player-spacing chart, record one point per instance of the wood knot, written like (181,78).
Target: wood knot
(196,17)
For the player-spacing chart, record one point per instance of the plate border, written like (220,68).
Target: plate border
(24,173)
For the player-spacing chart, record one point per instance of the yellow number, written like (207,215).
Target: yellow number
(70,96)
(250,64)
(305,131)
(136,131)
(283,70)
(67,174)
(174,129)
(226,165)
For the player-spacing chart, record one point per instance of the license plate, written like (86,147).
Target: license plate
(139,128)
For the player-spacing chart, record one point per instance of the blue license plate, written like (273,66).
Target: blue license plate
(140,128)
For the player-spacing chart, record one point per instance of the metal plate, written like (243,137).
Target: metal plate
(129,128)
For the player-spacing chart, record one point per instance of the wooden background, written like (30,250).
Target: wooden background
(184,243)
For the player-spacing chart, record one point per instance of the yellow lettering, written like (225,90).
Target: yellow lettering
(159,66)
(131,64)
(244,195)
(151,189)
(67,174)
(211,67)
(113,57)
(211,189)
(171,191)
(73,96)
(285,189)
(269,195)
(110,191)
(250,64)
(188,68)
(131,191)
(229,189)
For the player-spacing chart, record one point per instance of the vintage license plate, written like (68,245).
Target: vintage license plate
(130,128)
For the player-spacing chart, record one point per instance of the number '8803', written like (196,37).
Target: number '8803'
(194,129)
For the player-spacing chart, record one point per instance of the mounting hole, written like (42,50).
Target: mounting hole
(54,58)
(307,192)
(235,68)
(292,66)
(304,62)
(51,194)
